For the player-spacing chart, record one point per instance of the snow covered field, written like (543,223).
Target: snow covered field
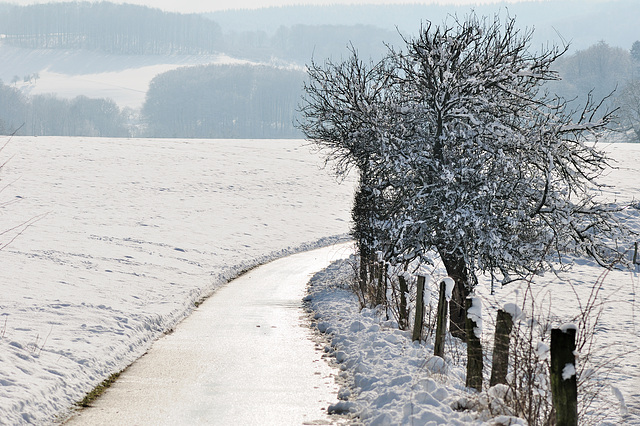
(135,232)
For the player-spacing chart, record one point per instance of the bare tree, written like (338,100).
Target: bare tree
(462,152)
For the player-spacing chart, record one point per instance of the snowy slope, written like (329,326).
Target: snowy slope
(135,232)
(71,73)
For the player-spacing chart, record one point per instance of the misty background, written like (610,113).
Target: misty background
(239,73)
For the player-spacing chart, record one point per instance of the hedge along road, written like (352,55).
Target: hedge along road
(243,357)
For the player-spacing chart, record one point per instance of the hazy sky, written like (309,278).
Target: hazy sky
(206,6)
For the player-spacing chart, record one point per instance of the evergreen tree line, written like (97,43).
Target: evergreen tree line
(107,27)
(223,101)
(214,101)
(140,30)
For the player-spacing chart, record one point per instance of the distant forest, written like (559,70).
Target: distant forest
(117,29)
(223,101)
(139,30)
(48,115)
(249,101)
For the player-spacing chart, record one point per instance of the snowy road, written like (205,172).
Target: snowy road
(243,357)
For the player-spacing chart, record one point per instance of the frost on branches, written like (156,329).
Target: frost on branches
(461,151)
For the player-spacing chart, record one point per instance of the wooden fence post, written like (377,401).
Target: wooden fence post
(403,315)
(475,363)
(441,324)
(564,384)
(500,362)
(419,321)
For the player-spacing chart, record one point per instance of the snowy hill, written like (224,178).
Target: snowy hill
(71,73)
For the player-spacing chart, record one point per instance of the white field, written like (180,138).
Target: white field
(134,232)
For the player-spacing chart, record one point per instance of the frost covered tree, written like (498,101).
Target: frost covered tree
(461,151)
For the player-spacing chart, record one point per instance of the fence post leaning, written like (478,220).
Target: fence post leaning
(419,321)
(441,324)
(564,384)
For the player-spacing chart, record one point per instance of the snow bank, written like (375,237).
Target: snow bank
(387,378)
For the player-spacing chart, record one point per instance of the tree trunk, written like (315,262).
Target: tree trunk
(457,269)
(438,347)
(504,324)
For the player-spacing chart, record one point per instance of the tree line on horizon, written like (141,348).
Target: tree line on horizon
(140,30)
(248,101)
(212,101)
(107,27)
(49,115)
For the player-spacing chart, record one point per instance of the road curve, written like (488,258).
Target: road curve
(242,358)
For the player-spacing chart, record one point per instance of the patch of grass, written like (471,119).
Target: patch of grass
(98,390)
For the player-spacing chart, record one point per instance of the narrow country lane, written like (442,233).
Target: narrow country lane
(242,358)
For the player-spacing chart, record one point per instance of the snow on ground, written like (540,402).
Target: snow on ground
(71,73)
(131,233)
(135,232)
(387,378)
(390,380)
